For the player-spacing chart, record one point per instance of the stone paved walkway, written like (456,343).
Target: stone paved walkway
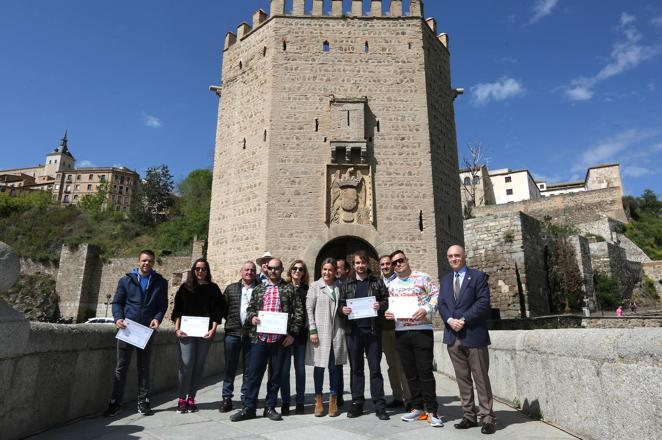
(208,423)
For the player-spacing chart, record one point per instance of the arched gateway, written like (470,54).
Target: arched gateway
(346,247)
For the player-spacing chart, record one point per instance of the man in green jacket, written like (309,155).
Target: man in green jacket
(274,296)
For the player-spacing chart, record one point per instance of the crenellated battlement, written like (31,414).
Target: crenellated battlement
(332,9)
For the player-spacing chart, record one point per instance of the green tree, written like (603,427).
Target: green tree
(606,290)
(95,203)
(155,196)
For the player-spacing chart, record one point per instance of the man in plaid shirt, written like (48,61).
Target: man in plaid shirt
(274,296)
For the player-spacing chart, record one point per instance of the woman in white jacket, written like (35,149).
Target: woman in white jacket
(326,348)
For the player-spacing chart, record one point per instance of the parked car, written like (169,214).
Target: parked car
(100,320)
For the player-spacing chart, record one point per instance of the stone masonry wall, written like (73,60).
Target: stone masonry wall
(169,267)
(65,372)
(571,209)
(591,382)
(278,83)
(612,260)
(507,247)
(654,271)
(583,254)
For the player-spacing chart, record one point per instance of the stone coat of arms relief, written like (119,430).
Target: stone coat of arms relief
(349,195)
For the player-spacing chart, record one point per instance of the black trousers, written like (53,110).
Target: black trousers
(124,351)
(363,341)
(416,350)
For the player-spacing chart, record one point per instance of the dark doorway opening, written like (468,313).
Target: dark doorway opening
(346,247)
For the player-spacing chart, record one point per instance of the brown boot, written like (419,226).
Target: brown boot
(333,406)
(319,407)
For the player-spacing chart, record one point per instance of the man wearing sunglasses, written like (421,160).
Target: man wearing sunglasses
(274,296)
(396,374)
(414,339)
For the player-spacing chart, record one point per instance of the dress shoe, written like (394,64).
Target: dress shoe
(488,428)
(381,415)
(465,424)
(271,414)
(244,414)
(285,409)
(299,409)
(395,403)
(356,410)
(226,405)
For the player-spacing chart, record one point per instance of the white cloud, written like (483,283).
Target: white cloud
(152,121)
(542,8)
(608,149)
(635,171)
(86,164)
(579,91)
(626,54)
(499,90)
(627,19)
(657,21)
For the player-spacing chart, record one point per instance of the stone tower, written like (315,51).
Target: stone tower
(335,133)
(59,159)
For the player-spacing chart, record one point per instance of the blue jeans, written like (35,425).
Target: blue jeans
(298,350)
(334,376)
(234,345)
(261,354)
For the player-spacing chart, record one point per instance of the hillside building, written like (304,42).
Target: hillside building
(68,184)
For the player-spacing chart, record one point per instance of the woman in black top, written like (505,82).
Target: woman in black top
(297,275)
(198,296)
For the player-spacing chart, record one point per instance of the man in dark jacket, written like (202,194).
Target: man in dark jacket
(237,343)
(141,296)
(364,336)
(464,305)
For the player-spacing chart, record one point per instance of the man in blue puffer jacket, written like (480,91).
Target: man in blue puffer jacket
(141,296)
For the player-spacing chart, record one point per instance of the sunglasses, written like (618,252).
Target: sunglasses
(397,262)
(274,268)
(200,269)
(298,269)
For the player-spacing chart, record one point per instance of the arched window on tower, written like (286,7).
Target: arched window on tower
(476,180)
(325,46)
(467,180)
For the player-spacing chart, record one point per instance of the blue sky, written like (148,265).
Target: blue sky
(554,86)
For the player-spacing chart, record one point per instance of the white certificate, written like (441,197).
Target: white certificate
(362,307)
(403,307)
(195,326)
(272,322)
(135,334)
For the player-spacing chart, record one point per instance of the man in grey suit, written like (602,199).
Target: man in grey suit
(464,305)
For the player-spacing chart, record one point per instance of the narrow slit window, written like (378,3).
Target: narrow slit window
(325,46)
(377,126)
(420,221)
(366,48)
(244,144)
(409,45)
(317,125)
(284,45)
(241,65)
(264,51)
(348,118)
(264,136)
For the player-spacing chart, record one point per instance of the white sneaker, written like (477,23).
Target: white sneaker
(434,420)
(413,415)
